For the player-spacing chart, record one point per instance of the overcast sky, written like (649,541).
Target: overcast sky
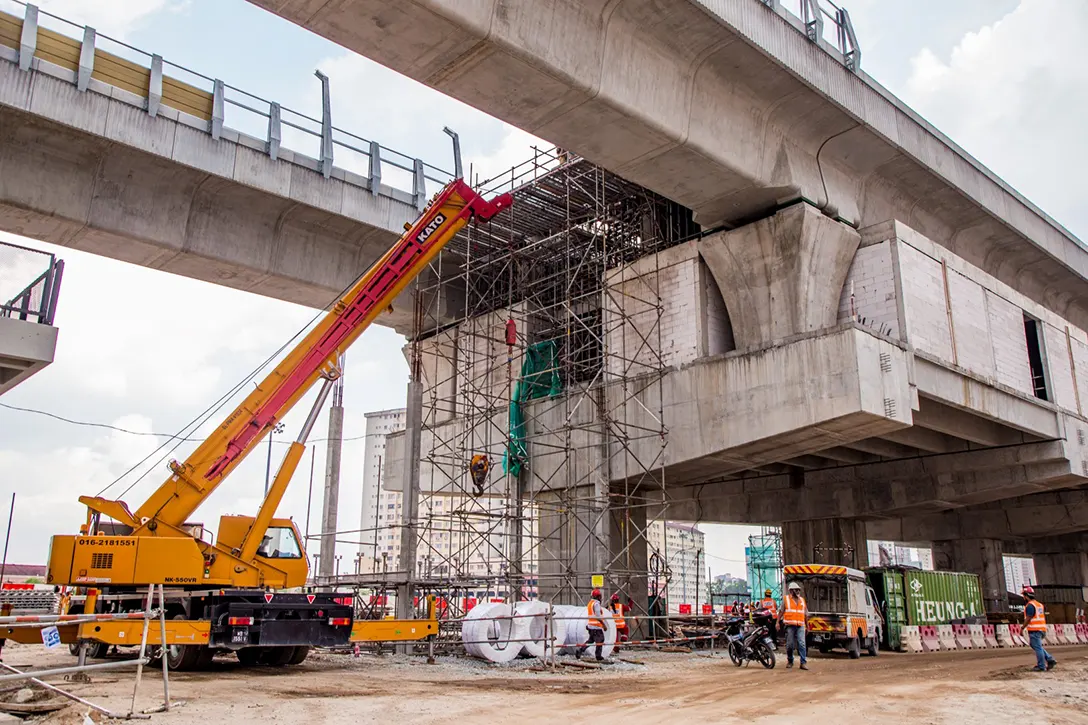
(147,352)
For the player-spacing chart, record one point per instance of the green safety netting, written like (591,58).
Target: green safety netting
(539,379)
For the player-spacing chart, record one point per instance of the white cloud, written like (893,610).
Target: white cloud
(1014,94)
(113,17)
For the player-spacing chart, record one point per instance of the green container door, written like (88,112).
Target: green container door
(888,585)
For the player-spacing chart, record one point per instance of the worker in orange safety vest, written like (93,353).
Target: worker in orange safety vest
(769,607)
(617,607)
(794,617)
(1035,624)
(594,626)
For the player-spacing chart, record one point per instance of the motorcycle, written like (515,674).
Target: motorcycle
(750,643)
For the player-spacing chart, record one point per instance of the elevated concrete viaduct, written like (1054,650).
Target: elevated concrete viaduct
(725,107)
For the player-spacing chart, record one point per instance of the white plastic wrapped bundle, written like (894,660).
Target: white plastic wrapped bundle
(531,629)
(478,612)
(488,634)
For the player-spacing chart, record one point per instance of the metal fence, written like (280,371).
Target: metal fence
(29,283)
(825,23)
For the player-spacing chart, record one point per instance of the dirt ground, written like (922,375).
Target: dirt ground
(957,688)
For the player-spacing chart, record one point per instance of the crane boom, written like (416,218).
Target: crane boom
(193,480)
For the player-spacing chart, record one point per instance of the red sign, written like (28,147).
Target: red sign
(708,609)
(685,609)
(310,598)
(440,603)
(470,602)
(377,600)
(268,597)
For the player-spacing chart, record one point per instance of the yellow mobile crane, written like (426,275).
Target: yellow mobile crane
(224,593)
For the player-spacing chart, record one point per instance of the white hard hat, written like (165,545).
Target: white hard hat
(794,586)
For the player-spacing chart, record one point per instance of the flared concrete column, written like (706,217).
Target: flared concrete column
(571,548)
(984,557)
(1070,569)
(825,541)
(783,275)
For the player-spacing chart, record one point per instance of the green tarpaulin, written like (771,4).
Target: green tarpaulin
(539,379)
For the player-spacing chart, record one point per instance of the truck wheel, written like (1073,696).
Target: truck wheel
(95,650)
(278,656)
(853,648)
(181,657)
(250,656)
(299,655)
(873,647)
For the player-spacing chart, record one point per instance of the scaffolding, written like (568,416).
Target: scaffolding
(538,341)
(764,559)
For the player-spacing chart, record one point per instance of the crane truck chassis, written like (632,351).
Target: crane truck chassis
(232,594)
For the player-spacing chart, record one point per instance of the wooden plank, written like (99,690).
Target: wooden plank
(187,98)
(33,708)
(11,28)
(122,73)
(58,49)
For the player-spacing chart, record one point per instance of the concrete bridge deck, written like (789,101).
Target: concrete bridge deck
(101,154)
(725,107)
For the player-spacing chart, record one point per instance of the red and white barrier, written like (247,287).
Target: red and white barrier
(1082,633)
(989,636)
(947,637)
(910,640)
(961,635)
(931,641)
(978,640)
(1003,636)
(1019,636)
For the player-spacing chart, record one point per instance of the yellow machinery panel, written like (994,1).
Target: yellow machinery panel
(393,630)
(178,631)
(124,560)
(61,550)
(92,559)
(167,560)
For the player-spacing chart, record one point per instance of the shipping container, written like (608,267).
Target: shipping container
(915,597)
(1059,594)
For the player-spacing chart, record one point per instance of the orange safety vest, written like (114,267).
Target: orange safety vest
(593,621)
(794,611)
(1038,622)
(771,605)
(617,614)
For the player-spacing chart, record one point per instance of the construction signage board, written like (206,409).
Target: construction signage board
(598,580)
(51,637)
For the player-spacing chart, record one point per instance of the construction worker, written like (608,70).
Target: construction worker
(478,468)
(794,617)
(617,608)
(770,607)
(594,626)
(1035,623)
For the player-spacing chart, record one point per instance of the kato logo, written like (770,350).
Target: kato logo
(431,228)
